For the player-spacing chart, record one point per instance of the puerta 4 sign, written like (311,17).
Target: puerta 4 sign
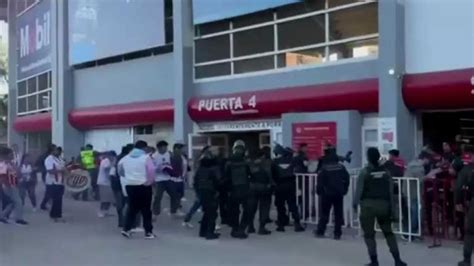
(236,105)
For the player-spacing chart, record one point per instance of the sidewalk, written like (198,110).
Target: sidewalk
(86,240)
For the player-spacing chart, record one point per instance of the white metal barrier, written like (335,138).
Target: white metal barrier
(407,201)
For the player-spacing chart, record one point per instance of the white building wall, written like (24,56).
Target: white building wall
(439,35)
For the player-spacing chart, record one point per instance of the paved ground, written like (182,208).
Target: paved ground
(90,241)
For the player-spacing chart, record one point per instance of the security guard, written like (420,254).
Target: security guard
(285,192)
(237,173)
(261,184)
(88,157)
(332,186)
(465,181)
(374,193)
(206,182)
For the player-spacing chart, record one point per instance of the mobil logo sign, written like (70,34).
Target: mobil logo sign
(34,40)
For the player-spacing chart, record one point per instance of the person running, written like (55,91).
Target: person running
(138,171)
(9,182)
(106,173)
(27,183)
(55,167)
(374,193)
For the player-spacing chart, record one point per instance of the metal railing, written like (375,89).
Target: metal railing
(407,201)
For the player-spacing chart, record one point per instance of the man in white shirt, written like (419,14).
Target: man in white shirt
(55,168)
(164,170)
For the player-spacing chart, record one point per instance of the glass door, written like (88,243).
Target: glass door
(369,139)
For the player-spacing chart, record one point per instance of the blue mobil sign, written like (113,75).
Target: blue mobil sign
(205,11)
(33,33)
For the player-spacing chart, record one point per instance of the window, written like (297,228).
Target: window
(301,32)
(307,33)
(303,57)
(353,49)
(255,64)
(144,130)
(213,70)
(353,22)
(212,49)
(254,41)
(34,94)
(22,88)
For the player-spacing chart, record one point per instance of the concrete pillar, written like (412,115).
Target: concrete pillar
(63,134)
(183,30)
(391,69)
(13,136)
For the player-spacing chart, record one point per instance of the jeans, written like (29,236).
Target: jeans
(192,211)
(170,188)
(15,205)
(28,188)
(413,213)
(46,197)
(56,193)
(139,198)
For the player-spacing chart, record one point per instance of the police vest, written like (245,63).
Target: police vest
(377,184)
(285,168)
(204,178)
(239,173)
(261,171)
(87,159)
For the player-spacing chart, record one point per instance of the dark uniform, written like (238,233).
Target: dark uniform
(237,173)
(332,185)
(285,192)
(223,191)
(261,184)
(206,182)
(374,192)
(464,183)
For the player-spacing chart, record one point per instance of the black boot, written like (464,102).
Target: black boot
(299,227)
(464,263)
(238,234)
(398,261)
(251,229)
(212,236)
(280,228)
(373,261)
(263,231)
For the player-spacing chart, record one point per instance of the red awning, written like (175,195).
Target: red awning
(33,123)
(361,95)
(447,90)
(129,114)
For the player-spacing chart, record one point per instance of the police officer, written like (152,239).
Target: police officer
(237,174)
(285,192)
(374,193)
(332,186)
(206,182)
(261,183)
(464,181)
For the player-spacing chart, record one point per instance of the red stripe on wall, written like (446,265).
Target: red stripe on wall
(119,115)
(33,123)
(439,90)
(361,95)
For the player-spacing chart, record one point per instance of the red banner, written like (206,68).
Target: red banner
(316,135)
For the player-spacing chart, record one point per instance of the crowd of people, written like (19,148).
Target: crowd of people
(231,189)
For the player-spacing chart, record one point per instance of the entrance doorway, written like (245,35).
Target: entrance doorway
(439,127)
(254,140)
